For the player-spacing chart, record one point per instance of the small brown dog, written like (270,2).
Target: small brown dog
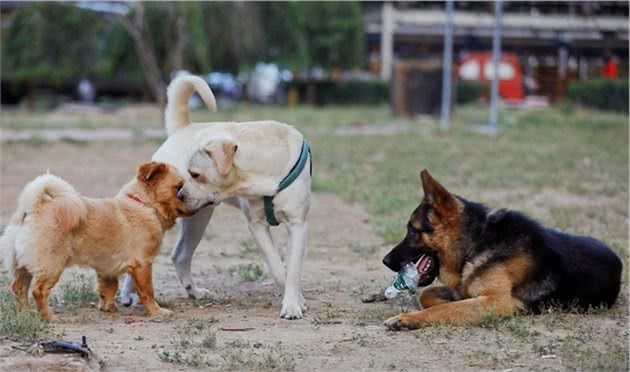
(55,227)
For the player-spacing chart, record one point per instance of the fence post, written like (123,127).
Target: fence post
(496,53)
(447,69)
(387,40)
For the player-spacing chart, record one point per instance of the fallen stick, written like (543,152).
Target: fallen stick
(244,329)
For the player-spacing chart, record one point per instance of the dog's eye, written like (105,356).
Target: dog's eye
(194,175)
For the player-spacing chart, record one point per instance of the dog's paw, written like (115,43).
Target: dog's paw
(197,293)
(161,313)
(129,299)
(49,317)
(108,308)
(396,323)
(291,310)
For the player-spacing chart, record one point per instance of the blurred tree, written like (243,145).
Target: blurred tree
(50,44)
(233,34)
(138,28)
(305,34)
(58,43)
(335,33)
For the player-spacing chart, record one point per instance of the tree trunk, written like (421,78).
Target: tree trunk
(146,53)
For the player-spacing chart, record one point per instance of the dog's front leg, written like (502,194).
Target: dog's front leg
(457,313)
(438,295)
(293,304)
(190,234)
(142,275)
(262,235)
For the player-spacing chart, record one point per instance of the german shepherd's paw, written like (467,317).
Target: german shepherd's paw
(400,323)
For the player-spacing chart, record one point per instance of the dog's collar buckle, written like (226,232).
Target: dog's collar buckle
(288,180)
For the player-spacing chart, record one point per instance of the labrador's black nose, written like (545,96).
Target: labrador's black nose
(180,195)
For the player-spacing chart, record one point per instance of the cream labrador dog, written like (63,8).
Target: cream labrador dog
(261,167)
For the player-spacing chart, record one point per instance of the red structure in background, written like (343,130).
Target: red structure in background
(610,69)
(479,67)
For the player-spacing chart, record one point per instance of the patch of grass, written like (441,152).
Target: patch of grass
(494,360)
(515,324)
(194,338)
(329,315)
(579,355)
(25,324)
(183,357)
(374,314)
(364,250)
(248,272)
(165,302)
(79,291)
(543,149)
(248,248)
(259,360)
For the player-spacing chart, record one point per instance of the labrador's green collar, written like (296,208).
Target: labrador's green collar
(286,181)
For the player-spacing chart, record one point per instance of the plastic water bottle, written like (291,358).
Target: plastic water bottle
(407,279)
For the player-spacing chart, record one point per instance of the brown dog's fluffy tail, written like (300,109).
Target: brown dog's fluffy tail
(47,200)
(50,194)
(179,92)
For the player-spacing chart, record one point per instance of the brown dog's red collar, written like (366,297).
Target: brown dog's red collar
(133,197)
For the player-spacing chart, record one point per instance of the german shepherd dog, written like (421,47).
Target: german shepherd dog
(496,262)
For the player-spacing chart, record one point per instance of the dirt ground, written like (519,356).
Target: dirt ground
(334,277)
(339,332)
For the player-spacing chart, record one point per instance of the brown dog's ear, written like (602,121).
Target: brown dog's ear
(150,172)
(436,194)
(223,155)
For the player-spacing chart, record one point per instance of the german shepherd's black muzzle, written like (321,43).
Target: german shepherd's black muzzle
(425,260)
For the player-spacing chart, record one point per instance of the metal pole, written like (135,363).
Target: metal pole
(387,40)
(496,51)
(447,62)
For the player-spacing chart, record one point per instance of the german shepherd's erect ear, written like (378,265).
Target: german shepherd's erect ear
(437,196)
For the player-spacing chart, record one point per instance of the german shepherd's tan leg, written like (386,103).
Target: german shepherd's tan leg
(491,292)
(21,282)
(107,288)
(438,295)
(456,313)
(43,284)
(142,277)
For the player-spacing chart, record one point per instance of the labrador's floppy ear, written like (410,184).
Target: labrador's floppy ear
(223,154)
(436,194)
(151,172)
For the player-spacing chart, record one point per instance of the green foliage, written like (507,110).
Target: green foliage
(50,43)
(25,324)
(469,91)
(79,291)
(366,92)
(264,360)
(194,338)
(54,44)
(603,94)
(249,272)
(304,34)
